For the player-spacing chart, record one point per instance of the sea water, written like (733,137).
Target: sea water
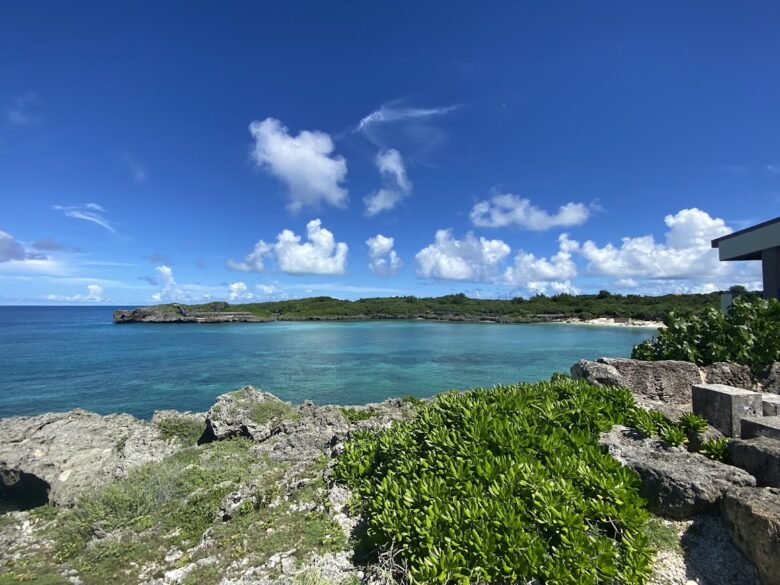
(59,358)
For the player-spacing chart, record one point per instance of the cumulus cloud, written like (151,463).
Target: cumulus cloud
(529,269)
(506,209)
(470,259)
(94,295)
(20,110)
(685,253)
(320,254)
(626,283)
(384,260)
(553,287)
(169,291)
(304,163)
(395,184)
(239,291)
(91,212)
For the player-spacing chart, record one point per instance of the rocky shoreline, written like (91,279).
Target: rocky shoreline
(177,313)
(254,452)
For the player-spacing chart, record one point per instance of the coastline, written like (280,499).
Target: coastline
(612,322)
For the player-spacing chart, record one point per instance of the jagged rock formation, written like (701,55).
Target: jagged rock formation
(63,455)
(176,313)
(675,483)
(665,381)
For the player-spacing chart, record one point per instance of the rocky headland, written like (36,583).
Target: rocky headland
(243,494)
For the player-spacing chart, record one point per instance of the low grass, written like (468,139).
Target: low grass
(661,536)
(354,415)
(109,536)
(187,429)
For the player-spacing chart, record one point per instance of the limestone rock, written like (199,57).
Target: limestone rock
(666,381)
(675,483)
(69,453)
(729,374)
(760,457)
(597,373)
(246,412)
(753,518)
(770,381)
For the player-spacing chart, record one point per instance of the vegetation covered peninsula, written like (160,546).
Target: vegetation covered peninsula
(457,307)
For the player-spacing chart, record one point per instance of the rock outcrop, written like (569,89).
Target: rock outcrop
(730,374)
(63,455)
(675,483)
(175,313)
(246,412)
(760,457)
(753,519)
(666,381)
(770,381)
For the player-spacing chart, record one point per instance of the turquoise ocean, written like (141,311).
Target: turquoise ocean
(59,358)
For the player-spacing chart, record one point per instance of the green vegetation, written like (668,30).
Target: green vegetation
(674,436)
(459,306)
(504,485)
(110,536)
(354,415)
(187,429)
(748,334)
(717,449)
(692,424)
(662,536)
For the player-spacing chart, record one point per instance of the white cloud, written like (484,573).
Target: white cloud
(392,113)
(384,260)
(626,283)
(395,184)
(91,212)
(506,209)
(238,291)
(553,287)
(686,252)
(20,109)
(94,295)
(321,254)
(15,258)
(469,259)
(305,163)
(170,291)
(529,269)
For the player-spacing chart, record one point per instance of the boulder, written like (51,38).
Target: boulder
(770,381)
(675,483)
(247,413)
(753,518)
(61,456)
(729,374)
(725,407)
(666,381)
(760,457)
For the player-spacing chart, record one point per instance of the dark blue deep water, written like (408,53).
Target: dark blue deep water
(58,358)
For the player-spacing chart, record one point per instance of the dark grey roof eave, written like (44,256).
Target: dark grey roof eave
(716,241)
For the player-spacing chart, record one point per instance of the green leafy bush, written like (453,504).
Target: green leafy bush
(692,424)
(504,485)
(354,415)
(674,436)
(717,449)
(748,334)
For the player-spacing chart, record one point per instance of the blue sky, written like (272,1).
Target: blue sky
(180,151)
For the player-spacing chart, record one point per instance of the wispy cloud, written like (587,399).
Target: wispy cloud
(136,168)
(20,110)
(91,212)
(773,169)
(392,112)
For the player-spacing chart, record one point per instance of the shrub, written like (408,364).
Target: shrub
(674,436)
(354,415)
(188,429)
(717,449)
(748,334)
(692,424)
(503,485)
